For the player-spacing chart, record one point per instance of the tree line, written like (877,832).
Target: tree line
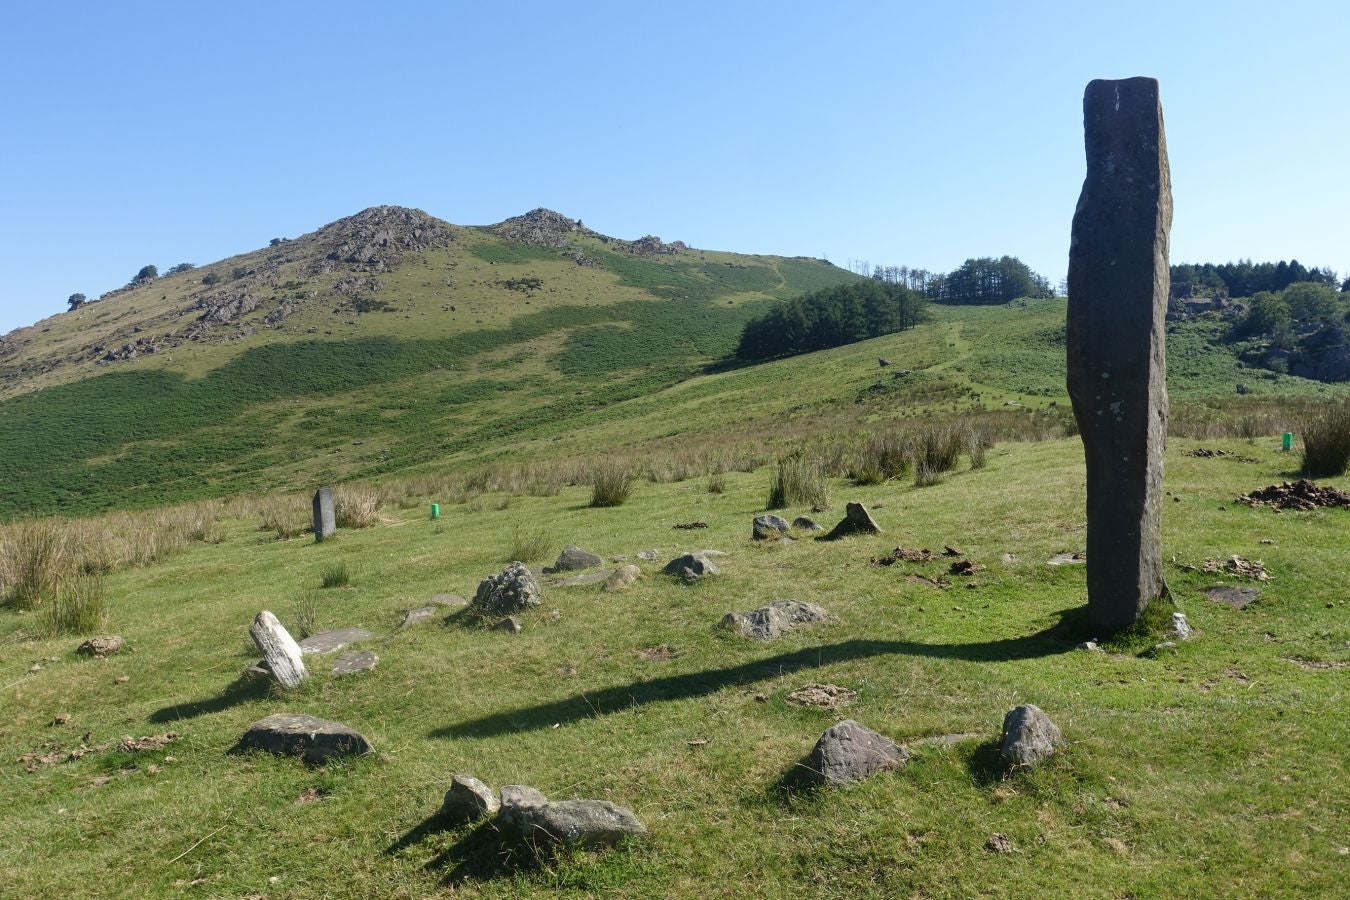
(983,280)
(1245,278)
(832,317)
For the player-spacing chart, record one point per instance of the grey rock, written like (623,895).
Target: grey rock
(325,523)
(768,526)
(533,818)
(587,578)
(1066,559)
(421,614)
(447,600)
(1236,597)
(769,622)
(711,553)
(1179,629)
(1029,737)
(691,567)
(883,362)
(806,523)
(849,752)
(1118,292)
(282,657)
(857,520)
(648,554)
(99,647)
(512,590)
(332,641)
(1090,646)
(468,800)
(573,559)
(354,662)
(511,625)
(314,739)
(622,577)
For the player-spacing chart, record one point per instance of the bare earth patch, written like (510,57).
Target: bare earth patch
(659,653)
(1300,495)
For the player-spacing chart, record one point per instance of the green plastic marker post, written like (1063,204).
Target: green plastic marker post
(1288,440)
(435,510)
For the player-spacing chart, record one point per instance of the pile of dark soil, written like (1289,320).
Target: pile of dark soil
(1301,494)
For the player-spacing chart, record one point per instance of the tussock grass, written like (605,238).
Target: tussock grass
(611,483)
(936,448)
(305,613)
(530,544)
(357,505)
(717,483)
(80,606)
(798,481)
(35,558)
(337,575)
(287,516)
(1326,441)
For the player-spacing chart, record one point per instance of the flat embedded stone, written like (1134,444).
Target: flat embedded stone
(309,737)
(580,823)
(1236,597)
(354,662)
(769,622)
(332,641)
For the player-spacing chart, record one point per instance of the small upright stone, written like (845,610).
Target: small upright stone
(690,567)
(857,520)
(280,651)
(325,521)
(849,752)
(468,800)
(511,625)
(573,559)
(1117,368)
(768,526)
(1029,737)
(509,591)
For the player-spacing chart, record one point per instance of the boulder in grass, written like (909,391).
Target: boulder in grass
(533,818)
(768,526)
(1029,737)
(806,523)
(573,559)
(468,800)
(281,654)
(99,647)
(849,752)
(622,577)
(690,567)
(511,590)
(313,739)
(769,622)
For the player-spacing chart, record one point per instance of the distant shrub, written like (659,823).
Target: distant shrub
(1326,441)
(180,268)
(335,576)
(80,606)
(611,482)
(75,301)
(530,544)
(147,273)
(238,272)
(210,278)
(798,481)
(356,506)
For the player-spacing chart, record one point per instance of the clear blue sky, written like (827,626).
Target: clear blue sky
(917,134)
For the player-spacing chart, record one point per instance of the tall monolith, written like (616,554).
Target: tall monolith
(1117,370)
(325,521)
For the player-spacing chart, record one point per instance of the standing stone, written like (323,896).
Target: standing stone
(1029,737)
(469,800)
(325,523)
(857,520)
(1118,286)
(279,649)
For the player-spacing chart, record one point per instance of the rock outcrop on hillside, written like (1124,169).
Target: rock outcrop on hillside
(540,227)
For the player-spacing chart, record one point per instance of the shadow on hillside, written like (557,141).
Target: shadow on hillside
(1058,638)
(241,690)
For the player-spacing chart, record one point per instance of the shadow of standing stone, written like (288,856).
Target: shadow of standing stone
(1118,287)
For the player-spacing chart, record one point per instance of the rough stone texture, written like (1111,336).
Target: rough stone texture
(532,817)
(325,522)
(806,523)
(857,520)
(691,567)
(1179,629)
(332,641)
(468,800)
(1118,289)
(1029,737)
(511,590)
(1236,597)
(99,647)
(1066,559)
(769,622)
(280,652)
(622,577)
(418,616)
(849,752)
(573,559)
(769,526)
(316,740)
(511,625)
(647,554)
(354,662)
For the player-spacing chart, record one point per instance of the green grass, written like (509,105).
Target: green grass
(1214,771)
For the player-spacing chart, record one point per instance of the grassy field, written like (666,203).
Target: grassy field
(1214,770)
